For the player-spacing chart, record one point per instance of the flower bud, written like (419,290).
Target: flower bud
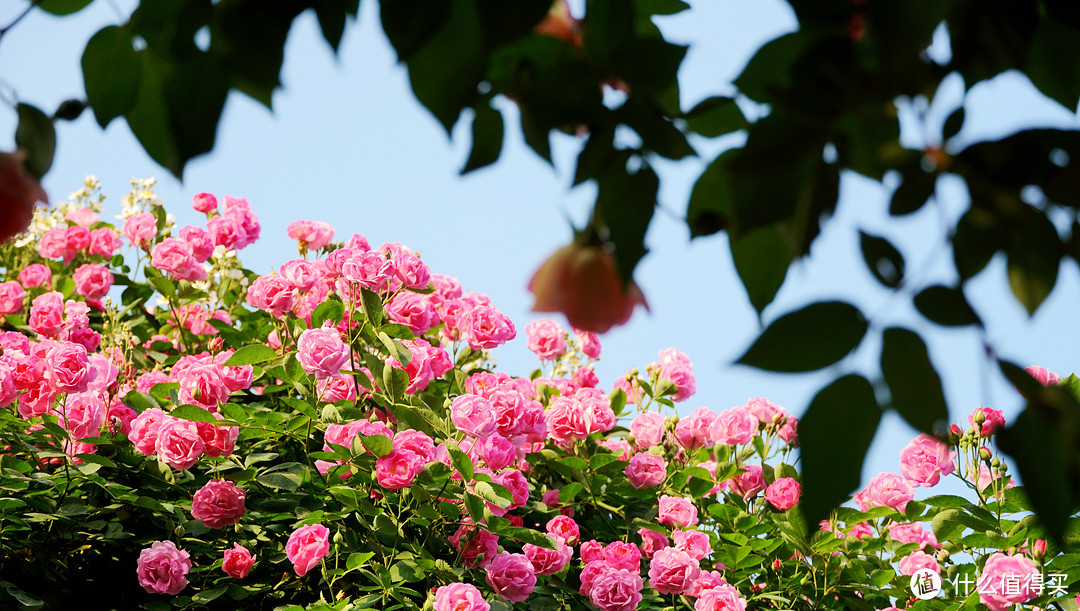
(984,453)
(955,434)
(995,463)
(978,417)
(1038,549)
(339,538)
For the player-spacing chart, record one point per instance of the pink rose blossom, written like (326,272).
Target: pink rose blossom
(176,258)
(789,431)
(11,297)
(677,511)
(104,242)
(1043,375)
(83,414)
(474,546)
(163,568)
(219,503)
(683,379)
(218,440)
(766,412)
(646,470)
(913,533)
(565,529)
(311,235)
(622,555)
(708,580)
(460,597)
(272,293)
(83,217)
(618,590)
(47,314)
(1006,580)
(35,275)
(322,352)
(511,576)
(748,483)
(92,281)
(672,571)
(204,202)
(485,328)
(410,272)
(67,368)
(783,493)
(546,339)
(179,444)
(369,269)
(413,311)
(887,490)
(925,460)
(693,542)
(721,598)
(144,430)
(307,545)
(397,469)
(119,418)
(473,415)
(548,561)
(237,561)
(695,431)
(590,345)
(993,420)
(226,232)
(140,229)
(202,245)
(735,426)
(918,560)
(647,429)
(651,542)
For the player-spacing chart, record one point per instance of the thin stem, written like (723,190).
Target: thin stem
(33,4)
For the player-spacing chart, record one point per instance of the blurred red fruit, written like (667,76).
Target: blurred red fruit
(582,283)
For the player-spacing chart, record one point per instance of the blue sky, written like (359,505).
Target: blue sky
(347,143)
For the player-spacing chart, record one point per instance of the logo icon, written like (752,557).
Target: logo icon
(925,584)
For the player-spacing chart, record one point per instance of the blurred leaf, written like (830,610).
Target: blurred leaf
(69,110)
(884,261)
(249,355)
(1053,64)
(658,134)
(762,258)
(63,7)
(487,138)
(111,73)
(37,137)
(594,156)
(1035,250)
(1023,381)
(710,200)
(409,25)
(168,27)
(953,123)
(660,7)
(331,14)
(834,435)
(715,117)
(446,70)
(978,236)
(625,203)
(247,38)
(914,384)
(946,306)
(917,187)
(505,22)
(816,336)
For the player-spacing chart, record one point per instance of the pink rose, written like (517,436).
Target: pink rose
(83,414)
(175,257)
(647,429)
(708,580)
(695,431)
(217,440)
(766,412)
(646,470)
(47,314)
(735,426)
(163,568)
(677,511)
(789,431)
(590,345)
(1043,375)
(140,229)
(409,272)
(413,311)
(119,418)
(511,576)
(311,235)
(92,281)
(651,542)
(783,493)
(674,356)
(887,490)
(496,451)
(307,545)
(238,561)
(83,217)
(548,561)
(322,352)
(11,297)
(693,542)
(925,460)
(272,293)
(226,232)
(618,590)
(202,245)
(397,469)
(546,339)
(144,430)
(721,598)
(35,275)
(993,420)
(918,560)
(683,379)
(1006,580)
(238,210)
(369,269)
(460,597)
(474,546)
(204,202)
(622,555)
(67,368)
(565,529)
(219,503)
(912,533)
(485,328)
(473,415)
(104,241)
(179,444)
(748,483)
(591,551)
(672,571)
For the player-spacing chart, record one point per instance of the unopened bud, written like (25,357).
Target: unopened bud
(339,538)
(955,434)
(978,417)
(984,453)
(216,344)
(942,555)
(996,463)
(1038,549)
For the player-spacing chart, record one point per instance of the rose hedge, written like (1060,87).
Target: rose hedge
(182,432)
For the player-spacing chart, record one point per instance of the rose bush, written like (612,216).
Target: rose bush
(191,434)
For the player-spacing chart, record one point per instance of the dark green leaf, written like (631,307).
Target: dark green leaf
(978,236)
(489,493)
(917,187)
(247,37)
(111,73)
(193,413)
(331,14)
(660,7)
(460,460)
(446,70)
(372,305)
(913,382)
(69,110)
(884,261)
(811,338)
(1053,65)
(249,355)
(378,445)
(657,133)
(946,306)
(37,136)
(710,200)
(409,25)
(625,203)
(593,160)
(762,258)
(953,124)
(832,455)
(63,7)
(332,310)
(487,137)
(286,476)
(1034,249)
(714,117)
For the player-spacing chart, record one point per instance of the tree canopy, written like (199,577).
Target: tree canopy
(830,93)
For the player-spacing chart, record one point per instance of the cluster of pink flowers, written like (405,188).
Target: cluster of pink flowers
(180,443)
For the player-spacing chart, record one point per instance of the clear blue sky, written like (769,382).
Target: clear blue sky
(349,144)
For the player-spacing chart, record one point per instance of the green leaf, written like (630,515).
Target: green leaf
(762,258)
(406,571)
(487,138)
(378,445)
(569,492)
(953,123)
(657,133)
(332,310)
(625,204)
(332,14)
(372,304)
(884,261)
(446,70)
(978,236)
(193,413)
(1034,249)
(206,596)
(410,25)
(490,493)
(714,117)
(710,205)
(1053,66)
(811,338)
(251,354)
(913,192)
(533,537)
(913,382)
(69,110)
(946,306)
(946,500)
(112,70)
(357,559)
(832,455)
(395,348)
(286,476)
(247,38)
(460,460)
(63,7)
(37,136)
